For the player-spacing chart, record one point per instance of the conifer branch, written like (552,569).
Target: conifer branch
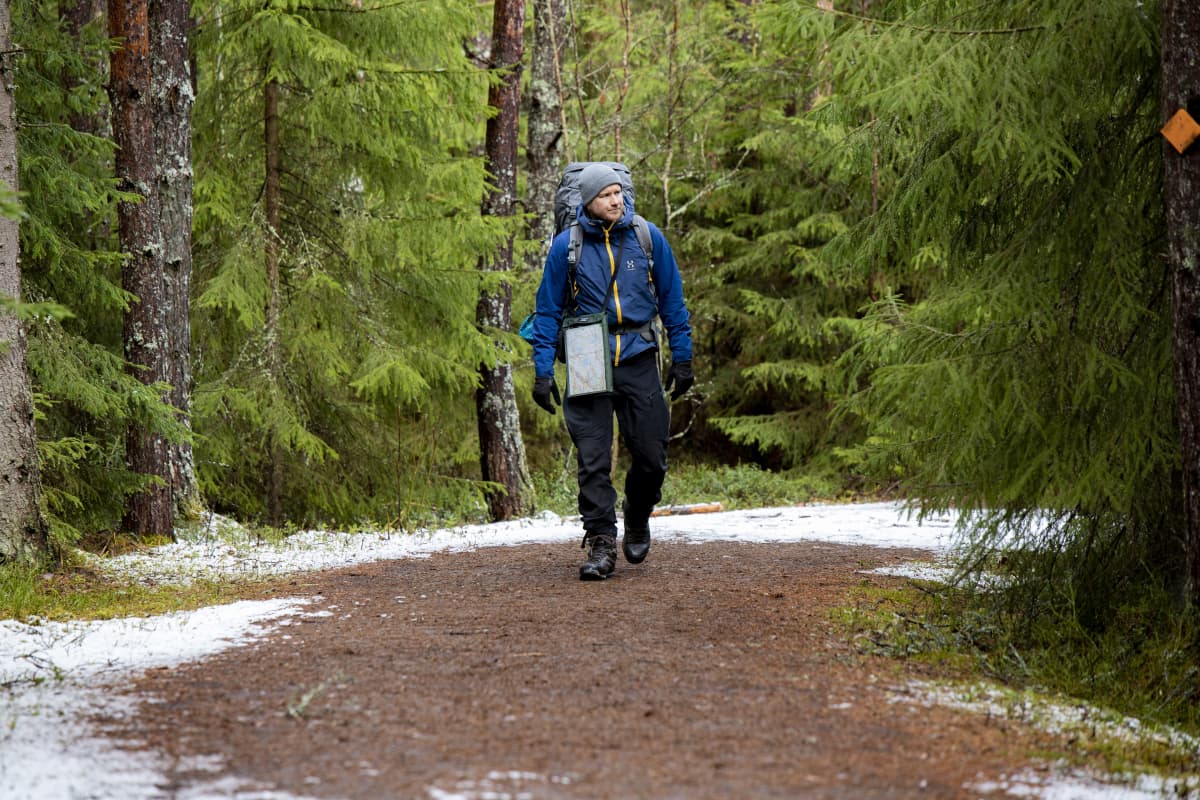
(362,9)
(927,28)
(391,70)
(247,13)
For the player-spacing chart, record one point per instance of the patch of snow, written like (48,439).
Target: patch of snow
(1083,786)
(939,573)
(55,677)
(870,524)
(90,651)
(498,785)
(220,549)
(915,570)
(225,788)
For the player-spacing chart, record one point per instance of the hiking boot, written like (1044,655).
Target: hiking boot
(602,556)
(635,544)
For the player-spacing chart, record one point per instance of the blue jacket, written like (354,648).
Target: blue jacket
(637,296)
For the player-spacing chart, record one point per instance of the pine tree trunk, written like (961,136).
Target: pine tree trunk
(1181,184)
(544,153)
(23,532)
(147,322)
(172,109)
(501,449)
(271,209)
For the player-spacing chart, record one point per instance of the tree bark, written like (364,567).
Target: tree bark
(547,132)
(23,529)
(146,331)
(172,109)
(271,209)
(1181,187)
(501,449)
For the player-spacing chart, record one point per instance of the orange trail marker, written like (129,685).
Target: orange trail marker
(1181,130)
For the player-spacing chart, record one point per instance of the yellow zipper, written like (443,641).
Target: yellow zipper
(612,264)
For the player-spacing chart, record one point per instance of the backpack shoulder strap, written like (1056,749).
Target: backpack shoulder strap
(642,230)
(574,246)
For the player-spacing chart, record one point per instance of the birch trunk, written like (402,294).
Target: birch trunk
(23,530)
(547,133)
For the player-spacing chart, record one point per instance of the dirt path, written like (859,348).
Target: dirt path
(709,671)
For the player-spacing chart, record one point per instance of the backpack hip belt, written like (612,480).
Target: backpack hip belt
(621,330)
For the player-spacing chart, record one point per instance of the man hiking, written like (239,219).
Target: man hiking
(599,265)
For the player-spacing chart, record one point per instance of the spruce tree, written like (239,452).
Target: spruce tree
(151,95)
(349,376)
(774,317)
(1027,380)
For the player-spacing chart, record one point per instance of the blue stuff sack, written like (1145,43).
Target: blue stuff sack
(526,331)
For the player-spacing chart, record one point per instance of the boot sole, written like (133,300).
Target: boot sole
(593,575)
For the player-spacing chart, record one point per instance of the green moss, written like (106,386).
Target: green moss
(80,592)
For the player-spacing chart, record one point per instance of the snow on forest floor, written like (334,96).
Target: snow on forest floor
(54,675)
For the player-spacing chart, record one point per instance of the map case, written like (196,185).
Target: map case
(589,368)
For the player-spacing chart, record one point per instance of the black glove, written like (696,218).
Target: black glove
(680,376)
(544,388)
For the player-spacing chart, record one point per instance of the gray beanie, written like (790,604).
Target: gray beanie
(594,179)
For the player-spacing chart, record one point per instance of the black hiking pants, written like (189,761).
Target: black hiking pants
(644,423)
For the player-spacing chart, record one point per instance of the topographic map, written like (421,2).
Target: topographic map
(587,359)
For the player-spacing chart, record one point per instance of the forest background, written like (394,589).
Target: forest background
(924,244)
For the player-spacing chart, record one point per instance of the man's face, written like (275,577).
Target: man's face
(609,205)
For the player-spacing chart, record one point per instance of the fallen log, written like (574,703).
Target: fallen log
(693,508)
